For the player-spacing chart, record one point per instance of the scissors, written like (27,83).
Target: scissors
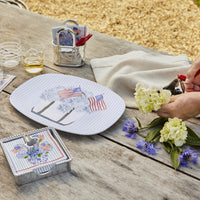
(177,86)
(182,77)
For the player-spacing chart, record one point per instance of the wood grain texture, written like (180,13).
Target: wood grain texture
(33,29)
(116,134)
(101,169)
(105,166)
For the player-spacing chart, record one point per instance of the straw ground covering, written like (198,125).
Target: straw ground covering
(171,26)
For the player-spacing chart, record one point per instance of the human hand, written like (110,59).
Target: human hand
(192,82)
(183,106)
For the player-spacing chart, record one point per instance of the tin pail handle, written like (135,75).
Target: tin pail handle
(44,170)
(71,21)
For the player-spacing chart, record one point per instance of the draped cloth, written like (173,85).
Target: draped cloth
(121,73)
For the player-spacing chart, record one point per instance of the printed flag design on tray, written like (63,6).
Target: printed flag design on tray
(64,94)
(17,149)
(97,103)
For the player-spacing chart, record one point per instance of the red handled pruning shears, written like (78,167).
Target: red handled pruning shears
(183,77)
(177,86)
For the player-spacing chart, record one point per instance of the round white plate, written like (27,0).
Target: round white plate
(27,95)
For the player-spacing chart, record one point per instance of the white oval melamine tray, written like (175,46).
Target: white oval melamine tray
(27,95)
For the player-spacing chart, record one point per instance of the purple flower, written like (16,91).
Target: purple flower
(147,147)
(186,156)
(132,136)
(130,129)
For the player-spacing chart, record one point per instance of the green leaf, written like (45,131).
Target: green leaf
(175,157)
(192,138)
(191,133)
(139,123)
(156,139)
(174,153)
(168,146)
(153,134)
(157,121)
(39,154)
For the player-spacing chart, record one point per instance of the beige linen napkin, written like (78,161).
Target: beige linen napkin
(121,73)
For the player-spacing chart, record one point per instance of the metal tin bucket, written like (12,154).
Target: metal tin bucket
(72,56)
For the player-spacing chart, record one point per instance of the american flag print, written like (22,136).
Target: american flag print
(97,103)
(64,94)
(17,149)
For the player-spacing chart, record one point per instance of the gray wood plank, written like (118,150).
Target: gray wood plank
(100,45)
(101,169)
(106,166)
(116,134)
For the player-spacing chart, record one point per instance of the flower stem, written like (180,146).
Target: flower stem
(143,127)
(141,135)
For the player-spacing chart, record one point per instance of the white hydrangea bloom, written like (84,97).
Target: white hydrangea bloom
(175,131)
(149,99)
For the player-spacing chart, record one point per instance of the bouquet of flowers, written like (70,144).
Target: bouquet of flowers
(172,133)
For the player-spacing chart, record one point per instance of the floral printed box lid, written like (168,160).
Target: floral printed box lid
(30,162)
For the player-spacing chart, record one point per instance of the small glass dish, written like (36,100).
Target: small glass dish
(10,52)
(33,61)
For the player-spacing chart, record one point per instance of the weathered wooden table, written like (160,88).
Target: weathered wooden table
(105,166)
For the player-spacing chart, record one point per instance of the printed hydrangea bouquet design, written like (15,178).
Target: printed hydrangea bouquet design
(172,133)
(40,155)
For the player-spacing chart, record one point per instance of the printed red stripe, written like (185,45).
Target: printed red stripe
(90,100)
(95,106)
(104,105)
(65,94)
(93,102)
(99,105)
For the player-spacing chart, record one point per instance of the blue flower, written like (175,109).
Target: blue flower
(187,156)
(21,154)
(43,144)
(130,129)
(132,136)
(147,147)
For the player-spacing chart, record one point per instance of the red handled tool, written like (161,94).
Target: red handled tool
(183,77)
(83,40)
